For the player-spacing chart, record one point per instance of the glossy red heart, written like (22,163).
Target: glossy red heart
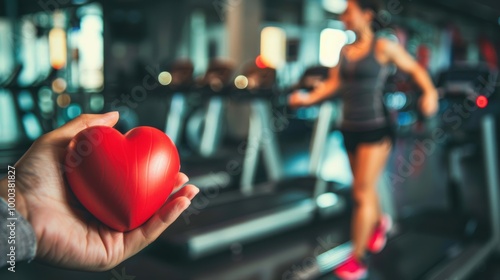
(122,179)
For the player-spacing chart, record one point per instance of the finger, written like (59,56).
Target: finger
(81,122)
(139,238)
(181,180)
(189,191)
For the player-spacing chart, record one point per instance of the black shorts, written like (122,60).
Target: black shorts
(352,139)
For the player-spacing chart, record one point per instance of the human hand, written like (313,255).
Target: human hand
(299,99)
(67,234)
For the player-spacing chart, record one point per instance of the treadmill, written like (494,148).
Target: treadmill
(195,123)
(215,221)
(447,244)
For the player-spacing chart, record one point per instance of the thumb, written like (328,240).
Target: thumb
(70,129)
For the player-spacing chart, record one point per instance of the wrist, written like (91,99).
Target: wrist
(308,99)
(11,194)
(430,93)
(3,189)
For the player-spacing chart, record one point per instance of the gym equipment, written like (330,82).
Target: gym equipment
(456,256)
(302,118)
(208,163)
(437,244)
(462,85)
(180,82)
(195,121)
(204,124)
(215,221)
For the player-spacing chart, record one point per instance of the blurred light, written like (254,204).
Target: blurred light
(96,102)
(351,37)
(165,78)
(481,101)
(9,129)
(330,45)
(241,82)
(335,6)
(216,84)
(59,85)
(73,111)
(327,200)
(92,22)
(32,126)
(63,100)
(396,100)
(307,113)
(25,100)
(89,9)
(273,46)
(252,83)
(33,52)
(297,164)
(336,166)
(406,118)
(57,48)
(45,100)
(58,19)
(259,62)
(335,24)
(6,47)
(91,54)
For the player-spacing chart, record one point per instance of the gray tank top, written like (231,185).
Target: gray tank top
(362,85)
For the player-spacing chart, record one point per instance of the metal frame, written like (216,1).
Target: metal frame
(261,139)
(318,144)
(212,122)
(175,117)
(473,256)
(278,220)
(212,129)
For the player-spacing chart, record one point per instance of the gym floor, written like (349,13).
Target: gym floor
(416,185)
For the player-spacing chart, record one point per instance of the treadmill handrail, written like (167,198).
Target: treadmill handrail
(462,266)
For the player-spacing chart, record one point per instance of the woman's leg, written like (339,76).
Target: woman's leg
(370,163)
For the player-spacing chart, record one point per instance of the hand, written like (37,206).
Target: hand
(298,99)
(429,103)
(67,235)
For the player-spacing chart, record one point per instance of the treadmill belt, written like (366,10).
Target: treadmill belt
(211,216)
(411,255)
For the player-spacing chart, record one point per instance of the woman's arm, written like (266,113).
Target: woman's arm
(403,60)
(319,94)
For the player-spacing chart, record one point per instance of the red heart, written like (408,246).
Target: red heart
(122,179)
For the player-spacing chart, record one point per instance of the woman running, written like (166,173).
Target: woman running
(360,77)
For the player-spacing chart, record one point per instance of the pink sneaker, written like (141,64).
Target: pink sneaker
(379,237)
(351,269)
